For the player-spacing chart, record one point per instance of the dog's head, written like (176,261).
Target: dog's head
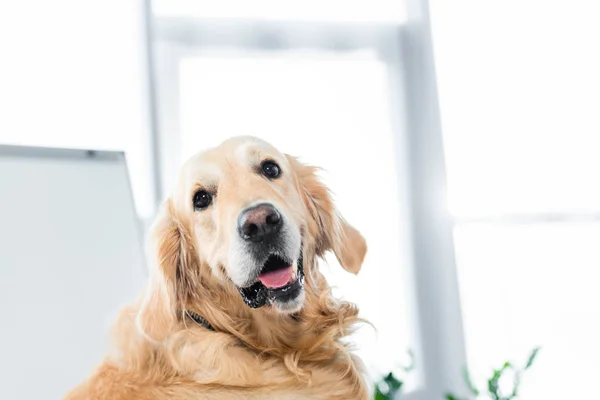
(246,220)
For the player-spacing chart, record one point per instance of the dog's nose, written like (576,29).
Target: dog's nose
(259,223)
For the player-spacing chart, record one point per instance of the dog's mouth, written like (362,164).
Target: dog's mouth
(278,280)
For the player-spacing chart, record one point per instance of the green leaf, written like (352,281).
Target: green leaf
(393,383)
(493,382)
(532,357)
(451,397)
(469,381)
(380,396)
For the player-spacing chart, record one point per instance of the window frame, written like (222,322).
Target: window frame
(407,50)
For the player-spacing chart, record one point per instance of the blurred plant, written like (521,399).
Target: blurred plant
(494,389)
(390,386)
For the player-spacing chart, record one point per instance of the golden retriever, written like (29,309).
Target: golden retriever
(235,307)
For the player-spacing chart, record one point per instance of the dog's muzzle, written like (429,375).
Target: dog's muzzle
(279,272)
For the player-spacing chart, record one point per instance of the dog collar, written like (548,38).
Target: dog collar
(200,320)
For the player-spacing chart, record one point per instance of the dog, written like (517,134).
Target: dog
(235,306)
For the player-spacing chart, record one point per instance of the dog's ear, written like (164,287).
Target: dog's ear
(157,315)
(328,228)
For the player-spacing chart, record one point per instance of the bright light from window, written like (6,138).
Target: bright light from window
(520,92)
(529,285)
(71,76)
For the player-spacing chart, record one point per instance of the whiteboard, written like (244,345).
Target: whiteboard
(70,256)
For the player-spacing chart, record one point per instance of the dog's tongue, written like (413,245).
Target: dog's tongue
(276,279)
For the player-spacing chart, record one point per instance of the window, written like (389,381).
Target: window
(330,92)
(520,90)
(314,105)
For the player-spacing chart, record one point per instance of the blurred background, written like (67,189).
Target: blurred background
(471,128)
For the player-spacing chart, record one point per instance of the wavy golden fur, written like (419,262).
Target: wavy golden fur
(160,353)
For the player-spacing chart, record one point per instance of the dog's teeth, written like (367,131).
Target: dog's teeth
(294,276)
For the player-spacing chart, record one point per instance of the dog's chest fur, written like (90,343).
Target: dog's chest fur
(199,364)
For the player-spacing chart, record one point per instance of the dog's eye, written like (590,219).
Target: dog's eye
(202,199)
(270,169)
